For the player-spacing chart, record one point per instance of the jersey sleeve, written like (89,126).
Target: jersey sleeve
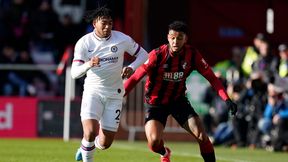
(205,70)
(130,83)
(134,49)
(80,63)
(151,61)
(140,72)
(80,51)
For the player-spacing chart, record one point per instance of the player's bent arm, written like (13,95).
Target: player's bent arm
(216,84)
(79,69)
(141,57)
(134,79)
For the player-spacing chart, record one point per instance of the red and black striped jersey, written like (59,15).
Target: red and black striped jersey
(167,74)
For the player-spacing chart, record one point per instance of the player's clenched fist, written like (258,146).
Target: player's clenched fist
(94,62)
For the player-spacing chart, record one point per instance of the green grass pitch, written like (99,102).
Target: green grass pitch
(56,150)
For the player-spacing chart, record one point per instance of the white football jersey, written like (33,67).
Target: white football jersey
(106,79)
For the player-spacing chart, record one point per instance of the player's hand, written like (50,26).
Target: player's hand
(231,106)
(94,62)
(127,72)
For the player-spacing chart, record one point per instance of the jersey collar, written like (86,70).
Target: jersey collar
(173,54)
(101,39)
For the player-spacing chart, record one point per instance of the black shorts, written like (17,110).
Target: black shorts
(181,110)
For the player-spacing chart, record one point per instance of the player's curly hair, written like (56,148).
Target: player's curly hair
(99,12)
(178,26)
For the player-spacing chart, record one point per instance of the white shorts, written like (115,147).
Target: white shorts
(106,111)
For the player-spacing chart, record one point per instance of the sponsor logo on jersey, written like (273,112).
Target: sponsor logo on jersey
(114,49)
(109,59)
(173,76)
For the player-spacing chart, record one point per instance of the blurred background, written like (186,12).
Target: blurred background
(37,40)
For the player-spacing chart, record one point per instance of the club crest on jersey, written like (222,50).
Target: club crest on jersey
(184,65)
(114,49)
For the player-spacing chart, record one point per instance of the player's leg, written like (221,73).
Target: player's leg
(104,139)
(155,121)
(109,123)
(194,127)
(154,134)
(190,121)
(91,111)
(87,144)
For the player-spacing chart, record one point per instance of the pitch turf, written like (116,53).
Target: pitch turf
(55,150)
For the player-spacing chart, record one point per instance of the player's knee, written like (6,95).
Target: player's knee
(155,144)
(202,138)
(90,136)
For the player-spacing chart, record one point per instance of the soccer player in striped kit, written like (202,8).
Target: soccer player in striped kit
(99,55)
(167,69)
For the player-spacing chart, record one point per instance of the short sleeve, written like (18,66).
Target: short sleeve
(151,61)
(132,47)
(80,51)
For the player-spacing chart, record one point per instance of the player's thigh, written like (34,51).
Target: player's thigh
(182,111)
(155,121)
(154,130)
(91,107)
(111,115)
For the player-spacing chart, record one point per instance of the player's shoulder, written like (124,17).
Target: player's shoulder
(119,35)
(160,49)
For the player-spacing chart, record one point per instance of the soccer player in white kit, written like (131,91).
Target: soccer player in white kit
(100,55)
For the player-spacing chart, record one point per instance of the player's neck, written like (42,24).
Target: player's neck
(175,53)
(100,38)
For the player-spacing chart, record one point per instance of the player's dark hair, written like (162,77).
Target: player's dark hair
(178,26)
(99,12)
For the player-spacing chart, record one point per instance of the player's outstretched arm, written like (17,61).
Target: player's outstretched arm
(134,79)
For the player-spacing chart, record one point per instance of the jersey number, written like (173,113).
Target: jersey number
(118,112)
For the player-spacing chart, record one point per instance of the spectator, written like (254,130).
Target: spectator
(13,84)
(252,53)
(274,124)
(44,22)
(218,110)
(64,38)
(231,68)
(16,20)
(283,63)
(252,98)
(266,61)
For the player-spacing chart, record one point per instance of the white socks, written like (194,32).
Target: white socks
(87,150)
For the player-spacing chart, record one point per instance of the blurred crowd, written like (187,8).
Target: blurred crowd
(257,80)
(38,32)
(256,77)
